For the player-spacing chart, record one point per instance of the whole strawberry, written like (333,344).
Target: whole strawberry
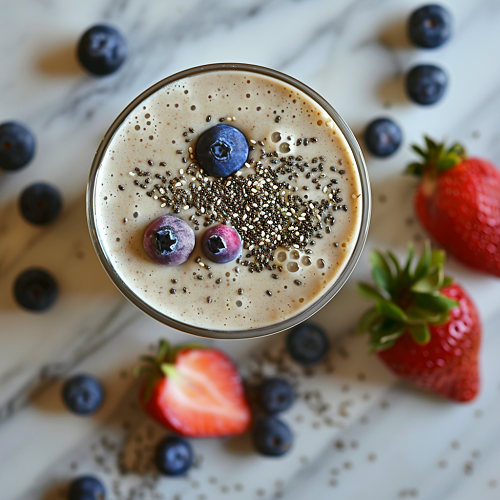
(194,391)
(458,202)
(424,327)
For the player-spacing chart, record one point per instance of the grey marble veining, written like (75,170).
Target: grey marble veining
(378,438)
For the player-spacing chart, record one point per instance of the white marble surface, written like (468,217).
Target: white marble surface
(377,438)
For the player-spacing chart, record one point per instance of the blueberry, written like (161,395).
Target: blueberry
(17,146)
(272,437)
(40,203)
(383,137)
(221,244)
(102,50)
(426,84)
(221,150)
(275,395)
(307,343)
(429,26)
(83,394)
(87,488)
(35,289)
(174,456)
(169,240)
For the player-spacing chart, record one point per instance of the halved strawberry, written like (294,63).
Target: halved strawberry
(194,391)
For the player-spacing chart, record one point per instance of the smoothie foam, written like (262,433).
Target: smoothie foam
(292,138)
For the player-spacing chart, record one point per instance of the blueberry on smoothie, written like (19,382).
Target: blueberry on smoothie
(272,437)
(426,84)
(221,244)
(174,456)
(83,394)
(87,488)
(429,26)
(102,50)
(35,289)
(307,343)
(383,137)
(221,150)
(169,240)
(17,146)
(275,395)
(40,203)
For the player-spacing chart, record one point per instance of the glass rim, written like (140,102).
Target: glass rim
(289,322)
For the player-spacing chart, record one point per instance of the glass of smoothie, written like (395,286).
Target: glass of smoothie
(229,201)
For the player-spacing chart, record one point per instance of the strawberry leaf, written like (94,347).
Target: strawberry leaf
(381,271)
(437,159)
(420,333)
(430,283)
(386,334)
(391,310)
(415,169)
(163,348)
(424,263)
(447,281)
(431,145)
(419,151)
(369,292)
(440,319)
(369,320)
(438,258)
(395,262)
(406,271)
(434,302)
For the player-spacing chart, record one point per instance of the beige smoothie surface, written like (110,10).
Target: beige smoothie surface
(300,181)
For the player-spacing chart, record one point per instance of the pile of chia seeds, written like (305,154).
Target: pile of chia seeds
(259,201)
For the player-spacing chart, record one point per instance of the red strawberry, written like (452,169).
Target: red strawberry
(458,202)
(424,327)
(195,391)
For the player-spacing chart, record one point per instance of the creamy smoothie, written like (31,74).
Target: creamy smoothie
(296,203)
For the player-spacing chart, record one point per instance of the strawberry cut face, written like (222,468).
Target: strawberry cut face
(201,395)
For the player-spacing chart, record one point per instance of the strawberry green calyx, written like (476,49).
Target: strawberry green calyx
(406,300)
(436,159)
(161,365)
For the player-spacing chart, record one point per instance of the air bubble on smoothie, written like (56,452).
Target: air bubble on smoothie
(320,122)
(320,263)
(281,257)
(193,107)
(284,147)
(239,303)
(301,299)
(306,260)
(293,267)
(138,127)
(276,137)
(294,254)
(228,274)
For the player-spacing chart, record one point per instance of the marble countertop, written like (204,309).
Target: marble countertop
(359,433)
